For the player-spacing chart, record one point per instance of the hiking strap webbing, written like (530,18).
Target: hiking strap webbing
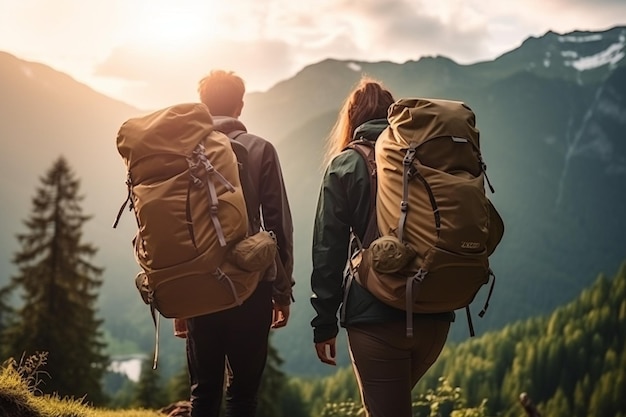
(197,159)
(482,312)
(366,149)
(129,201)
(483,165)
(222,277)
(213,201)
(412,288)
(249,191)
(470,324)
(493,283)
(156,319)
(350,272)
(407,162)
(416,279)
(407,174)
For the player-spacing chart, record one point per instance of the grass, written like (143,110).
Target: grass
(19,396)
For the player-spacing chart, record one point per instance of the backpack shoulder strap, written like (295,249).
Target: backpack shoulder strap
(365,148)
(235,134)
(249,192)
(252,201)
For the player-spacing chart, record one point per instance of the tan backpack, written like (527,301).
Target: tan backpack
(184,187)
(433,229)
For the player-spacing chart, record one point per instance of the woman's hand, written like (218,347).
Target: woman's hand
(326,351)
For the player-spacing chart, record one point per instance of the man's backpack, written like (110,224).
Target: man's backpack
(193,243)
(432,228)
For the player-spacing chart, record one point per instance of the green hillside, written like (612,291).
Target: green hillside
(571,362)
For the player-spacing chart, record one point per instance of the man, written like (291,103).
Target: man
(238,337)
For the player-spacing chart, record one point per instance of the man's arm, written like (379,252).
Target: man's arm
(276,215)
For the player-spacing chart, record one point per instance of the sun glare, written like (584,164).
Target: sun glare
(169,22)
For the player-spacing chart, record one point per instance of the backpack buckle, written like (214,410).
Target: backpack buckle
(409,156)
(420,275)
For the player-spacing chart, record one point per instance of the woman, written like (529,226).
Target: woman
(386,362)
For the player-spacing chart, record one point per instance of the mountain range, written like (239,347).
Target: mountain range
(551,114)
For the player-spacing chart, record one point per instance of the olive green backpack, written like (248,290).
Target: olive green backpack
(432,227)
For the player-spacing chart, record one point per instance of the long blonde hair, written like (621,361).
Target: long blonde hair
(369,100)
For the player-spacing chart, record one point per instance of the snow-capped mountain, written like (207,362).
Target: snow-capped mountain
(552,116)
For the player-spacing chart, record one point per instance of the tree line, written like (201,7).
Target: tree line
(571,363)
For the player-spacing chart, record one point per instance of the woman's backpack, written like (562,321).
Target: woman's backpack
(433,228)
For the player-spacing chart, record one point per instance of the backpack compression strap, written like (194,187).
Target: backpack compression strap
(413,282)
(408,173)
(128,201)
(199,161)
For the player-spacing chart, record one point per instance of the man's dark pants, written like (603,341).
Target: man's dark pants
(239,336)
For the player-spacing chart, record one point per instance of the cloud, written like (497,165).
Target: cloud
(539,16)
(275,39)
(118,46)
(371,30)
(405,30)
(165,76)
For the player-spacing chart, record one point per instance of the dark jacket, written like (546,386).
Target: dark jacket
(275,215)
(344,204)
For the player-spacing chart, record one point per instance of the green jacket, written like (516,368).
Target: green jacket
(343,204)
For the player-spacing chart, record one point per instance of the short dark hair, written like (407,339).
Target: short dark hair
(222,92)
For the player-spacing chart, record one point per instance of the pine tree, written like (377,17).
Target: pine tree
(178,386)
(58,287)
(148,393)
(6,312)
(272,386)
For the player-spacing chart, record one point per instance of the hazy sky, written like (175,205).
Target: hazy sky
(151,53)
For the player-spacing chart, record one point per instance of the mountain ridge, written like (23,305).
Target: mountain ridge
(528,119)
